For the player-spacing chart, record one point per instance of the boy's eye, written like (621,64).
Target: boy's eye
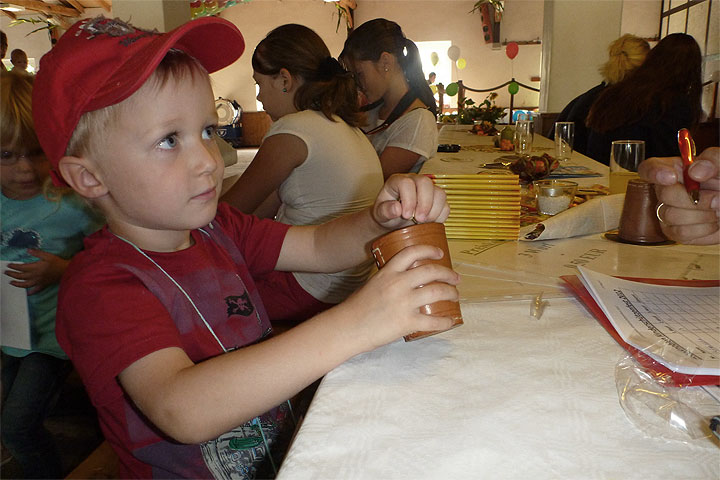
(209,132)
(168,142)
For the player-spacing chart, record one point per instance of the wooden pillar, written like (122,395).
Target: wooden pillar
(461,96)
(576,34)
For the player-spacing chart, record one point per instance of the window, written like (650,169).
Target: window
(443,69)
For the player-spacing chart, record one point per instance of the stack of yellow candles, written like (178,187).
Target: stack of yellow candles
(482,206)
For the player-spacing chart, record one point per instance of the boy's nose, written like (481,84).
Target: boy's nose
(207,156)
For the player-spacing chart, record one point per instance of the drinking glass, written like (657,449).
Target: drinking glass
(523,138)
(564,137)
(625,158)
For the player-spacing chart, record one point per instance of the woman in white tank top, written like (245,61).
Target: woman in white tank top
(314,163)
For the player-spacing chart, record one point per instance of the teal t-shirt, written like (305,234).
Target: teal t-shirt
(56,227)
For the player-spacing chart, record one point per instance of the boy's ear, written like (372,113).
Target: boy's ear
(81,175)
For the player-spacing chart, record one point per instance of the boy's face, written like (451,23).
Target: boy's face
(160,164)
(23,173)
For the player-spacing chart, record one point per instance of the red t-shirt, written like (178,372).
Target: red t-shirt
(115,307)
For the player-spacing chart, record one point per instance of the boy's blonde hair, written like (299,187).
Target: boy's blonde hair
(626,54)
(96,124)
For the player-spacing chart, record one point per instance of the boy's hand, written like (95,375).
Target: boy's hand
(387,307)
(404,197)
(682,220)
(38,275)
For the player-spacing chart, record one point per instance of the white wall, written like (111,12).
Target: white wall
(425,20)
(576,36)
(435,20)
(255,19)
(641,18)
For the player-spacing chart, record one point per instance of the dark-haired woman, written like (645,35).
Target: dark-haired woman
(314,164)
(652,103)
(401,122)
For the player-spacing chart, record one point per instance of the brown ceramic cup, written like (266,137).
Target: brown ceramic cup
(385,247)
(638,222)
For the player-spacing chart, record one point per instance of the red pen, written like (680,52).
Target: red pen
(687,152)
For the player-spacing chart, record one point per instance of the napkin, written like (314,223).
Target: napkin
(599,214)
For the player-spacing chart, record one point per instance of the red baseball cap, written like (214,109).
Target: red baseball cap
(99,62)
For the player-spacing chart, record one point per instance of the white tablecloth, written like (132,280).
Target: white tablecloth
(503,397)
(468,161)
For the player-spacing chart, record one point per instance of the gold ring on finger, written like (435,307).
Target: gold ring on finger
(657,212)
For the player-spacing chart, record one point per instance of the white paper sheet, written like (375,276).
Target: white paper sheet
(14,315)
(677,326)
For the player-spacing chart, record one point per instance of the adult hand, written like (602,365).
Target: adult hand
(681,219)
(38,275)
(407,197)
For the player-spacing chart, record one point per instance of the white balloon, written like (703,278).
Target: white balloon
(454,53)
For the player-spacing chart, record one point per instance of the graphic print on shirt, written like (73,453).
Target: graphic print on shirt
(239,305)
(20,238)
(241,453)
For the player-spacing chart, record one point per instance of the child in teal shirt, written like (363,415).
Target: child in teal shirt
(38,237)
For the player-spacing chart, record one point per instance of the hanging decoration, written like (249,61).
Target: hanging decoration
(452,89)
(206,8)
(513,88)
(454,53)
(345,9)
(461,63)
(434,58)
(490,15)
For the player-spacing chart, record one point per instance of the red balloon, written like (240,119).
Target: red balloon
(511,50)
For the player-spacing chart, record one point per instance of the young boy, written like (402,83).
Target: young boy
(160,313)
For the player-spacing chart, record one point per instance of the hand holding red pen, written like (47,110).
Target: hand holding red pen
(687,153)
(683,220)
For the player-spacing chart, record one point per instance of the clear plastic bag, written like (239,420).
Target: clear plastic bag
(660,409)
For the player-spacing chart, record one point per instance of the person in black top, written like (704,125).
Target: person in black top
(652,103)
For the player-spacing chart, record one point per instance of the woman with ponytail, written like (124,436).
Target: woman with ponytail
(401,120)
(313,165)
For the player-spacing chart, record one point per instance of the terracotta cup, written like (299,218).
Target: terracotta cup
(385,247)
(638,222)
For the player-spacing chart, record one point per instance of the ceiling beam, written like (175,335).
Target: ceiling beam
(77,5)
(43,7)
(9,14)
(106,5)
(58,20)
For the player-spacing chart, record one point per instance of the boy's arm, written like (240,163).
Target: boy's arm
(345,242)
(197,402)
